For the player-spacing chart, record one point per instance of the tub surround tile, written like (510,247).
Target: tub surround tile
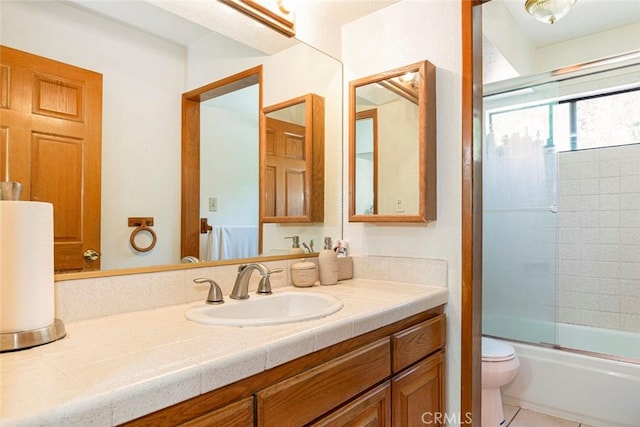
(598,253)
(115,368)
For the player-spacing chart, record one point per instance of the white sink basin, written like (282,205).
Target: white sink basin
(262,310)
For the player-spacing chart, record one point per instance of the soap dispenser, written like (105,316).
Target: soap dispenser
(328,264)
(295,246)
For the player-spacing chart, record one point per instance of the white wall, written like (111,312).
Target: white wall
(402,34)
(142,84)
(597,46)
(500,28)
(398,157)
(229,154)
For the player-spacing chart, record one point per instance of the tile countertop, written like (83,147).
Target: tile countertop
(113,369)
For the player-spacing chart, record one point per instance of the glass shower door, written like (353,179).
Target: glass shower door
(519,216)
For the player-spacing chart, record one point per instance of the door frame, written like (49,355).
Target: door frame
(190,227)
(471,245)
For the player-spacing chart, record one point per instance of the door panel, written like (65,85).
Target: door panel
(286,169)
(53,112)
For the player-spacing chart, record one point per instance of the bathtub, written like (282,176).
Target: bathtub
(587,389)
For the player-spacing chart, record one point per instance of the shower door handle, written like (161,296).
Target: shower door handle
(553,209)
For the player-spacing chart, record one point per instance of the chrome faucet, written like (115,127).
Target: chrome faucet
(215,293)
(241,286)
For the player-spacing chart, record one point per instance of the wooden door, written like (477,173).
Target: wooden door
(285,171)
(418,394)
(52,113)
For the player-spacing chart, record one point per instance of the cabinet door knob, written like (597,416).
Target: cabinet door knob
(91,255)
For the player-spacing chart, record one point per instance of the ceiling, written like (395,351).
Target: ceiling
(344,11)
(186,21)
(585,18)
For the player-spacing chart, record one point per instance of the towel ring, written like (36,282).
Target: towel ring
(142,225)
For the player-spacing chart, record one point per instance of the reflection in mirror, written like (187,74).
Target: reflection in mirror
(229,131)
(392,146)
(366,158)
(219,122)
(149,55)
(292,159)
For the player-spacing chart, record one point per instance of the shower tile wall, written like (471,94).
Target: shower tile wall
(599,237)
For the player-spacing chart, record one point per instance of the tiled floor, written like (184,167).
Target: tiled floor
(518,417)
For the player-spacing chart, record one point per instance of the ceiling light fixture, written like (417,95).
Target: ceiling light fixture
(548,11)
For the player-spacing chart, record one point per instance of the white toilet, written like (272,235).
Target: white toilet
(499,366)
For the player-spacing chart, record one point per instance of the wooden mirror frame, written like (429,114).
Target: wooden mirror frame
(427,178)
(190,201)
(314,156)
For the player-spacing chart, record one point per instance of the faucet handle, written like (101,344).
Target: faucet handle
(264,288)
(215,293)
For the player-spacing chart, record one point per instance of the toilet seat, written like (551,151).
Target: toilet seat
(496,351)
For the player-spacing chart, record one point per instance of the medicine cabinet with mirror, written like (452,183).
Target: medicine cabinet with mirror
(149,55)
(392,146)
(292,161)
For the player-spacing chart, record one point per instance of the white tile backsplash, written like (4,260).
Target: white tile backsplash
(83,299)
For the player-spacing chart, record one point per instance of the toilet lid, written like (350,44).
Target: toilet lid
(495,351)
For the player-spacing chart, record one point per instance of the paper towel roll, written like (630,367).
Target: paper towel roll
(26,266)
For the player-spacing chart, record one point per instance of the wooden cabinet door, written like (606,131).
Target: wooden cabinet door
(418,393)
(286,169)
(51,117)
(372,409)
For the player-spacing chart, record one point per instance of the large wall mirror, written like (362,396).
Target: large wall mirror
(149,54)
(392,146)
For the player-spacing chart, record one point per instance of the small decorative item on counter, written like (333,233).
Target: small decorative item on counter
(341,248)
(304,274)
(345,268)
(295,246)
(328,263)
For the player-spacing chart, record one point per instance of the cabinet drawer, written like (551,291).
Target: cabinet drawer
(239,414)
(371,409)
(417,342)
(310,394)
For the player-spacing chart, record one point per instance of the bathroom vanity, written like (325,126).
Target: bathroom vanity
(386,377)
(379,359)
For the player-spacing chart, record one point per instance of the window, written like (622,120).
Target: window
(602,120)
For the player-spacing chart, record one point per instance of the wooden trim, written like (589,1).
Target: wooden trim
(190,202)
(471,309)
(281,22)
(62,277)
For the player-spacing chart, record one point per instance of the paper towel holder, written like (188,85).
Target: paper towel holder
(13,341)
